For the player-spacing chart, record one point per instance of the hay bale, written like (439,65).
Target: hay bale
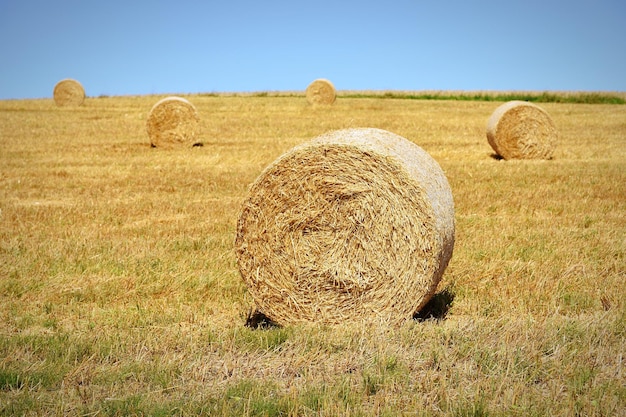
(521,130)
(321,92)
(356,224)
(69,93)
(172,121)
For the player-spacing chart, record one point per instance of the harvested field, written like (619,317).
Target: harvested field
(120,292)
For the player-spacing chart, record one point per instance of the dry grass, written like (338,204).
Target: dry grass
(119,289)
(354,225)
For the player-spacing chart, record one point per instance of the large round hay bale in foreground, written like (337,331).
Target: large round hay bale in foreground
(68,92)
(357,224)
(521,130)
(321,92)
(172,121)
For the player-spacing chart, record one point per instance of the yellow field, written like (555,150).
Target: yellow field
(120,294)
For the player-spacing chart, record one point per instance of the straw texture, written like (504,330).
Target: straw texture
(172,121)
(321,92)
(68,93)
(357,224)
(521,130)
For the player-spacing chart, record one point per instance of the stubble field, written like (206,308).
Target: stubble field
(120,294)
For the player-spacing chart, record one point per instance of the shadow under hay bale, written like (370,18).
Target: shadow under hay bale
(437,307)
(321,92)
(355,225)
(521,130)
(68,93)
(172,122)
(258,320)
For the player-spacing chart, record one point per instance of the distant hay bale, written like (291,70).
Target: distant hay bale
(68,92)
(521,130)
(172,121)
(321,92)
(354,225)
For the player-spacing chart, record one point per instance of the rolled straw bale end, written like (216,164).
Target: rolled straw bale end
(321,92)
(521,130)
(68,93)
(354,225)
(172,121)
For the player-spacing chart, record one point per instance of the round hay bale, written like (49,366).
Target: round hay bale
(68,92)
(357,224)
(321,92)
(521,130)
(172,121)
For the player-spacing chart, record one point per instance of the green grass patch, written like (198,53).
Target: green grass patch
(544,97)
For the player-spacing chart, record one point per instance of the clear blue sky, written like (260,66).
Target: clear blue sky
(132,47)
